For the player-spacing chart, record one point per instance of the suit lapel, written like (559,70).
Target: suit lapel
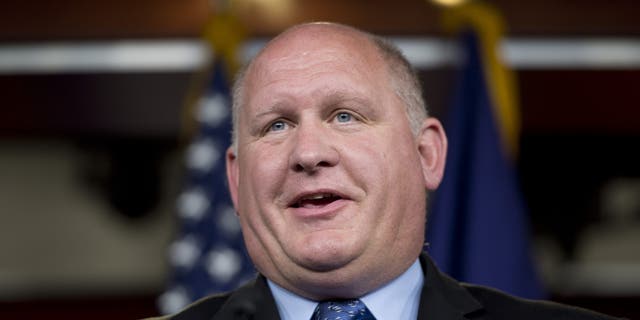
(443,298)
(252,301)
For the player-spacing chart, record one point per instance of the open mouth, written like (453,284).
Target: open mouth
(315,200)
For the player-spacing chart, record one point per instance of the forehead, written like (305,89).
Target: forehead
(304,60)
(314,38)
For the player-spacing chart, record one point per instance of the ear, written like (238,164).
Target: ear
(232,175)
(432,146)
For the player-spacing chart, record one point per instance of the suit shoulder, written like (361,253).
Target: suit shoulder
(500,305)
(203,309)
(251,298)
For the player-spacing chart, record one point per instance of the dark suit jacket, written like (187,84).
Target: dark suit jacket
(442,298)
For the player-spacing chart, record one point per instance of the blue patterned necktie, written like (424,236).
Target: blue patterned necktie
(342,310)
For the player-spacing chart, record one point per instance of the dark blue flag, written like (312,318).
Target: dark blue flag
(477,229)
(208,255)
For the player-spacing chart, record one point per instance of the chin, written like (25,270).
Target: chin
(335,281)
(327,256)
(328,264)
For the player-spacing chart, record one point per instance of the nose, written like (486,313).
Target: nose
(313,149)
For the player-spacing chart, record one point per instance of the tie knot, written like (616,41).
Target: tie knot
(342,310)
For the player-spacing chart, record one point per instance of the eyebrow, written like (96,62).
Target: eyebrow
(333,97)
(274,108)
(336,96)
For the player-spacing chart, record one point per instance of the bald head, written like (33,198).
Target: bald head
(331,36)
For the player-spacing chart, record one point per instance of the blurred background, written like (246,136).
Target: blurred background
(94,126)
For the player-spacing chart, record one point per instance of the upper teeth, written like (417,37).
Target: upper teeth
(317,196)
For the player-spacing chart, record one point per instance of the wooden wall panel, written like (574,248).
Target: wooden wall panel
(580,101)
(82,19)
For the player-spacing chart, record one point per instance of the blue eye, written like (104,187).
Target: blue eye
(278,126)
(344,117)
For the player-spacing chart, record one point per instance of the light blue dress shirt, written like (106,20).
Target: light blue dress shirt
(397,300)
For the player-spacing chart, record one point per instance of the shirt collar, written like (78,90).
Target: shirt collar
(398,299)
(290,305)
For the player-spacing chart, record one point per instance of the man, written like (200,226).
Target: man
(331,160)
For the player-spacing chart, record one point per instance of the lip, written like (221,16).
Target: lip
(324,211)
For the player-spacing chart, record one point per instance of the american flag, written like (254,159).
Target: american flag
(208,254)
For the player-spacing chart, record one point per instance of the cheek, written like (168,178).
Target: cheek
(259,182)
(392,168)
(376,158)
(261,175)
